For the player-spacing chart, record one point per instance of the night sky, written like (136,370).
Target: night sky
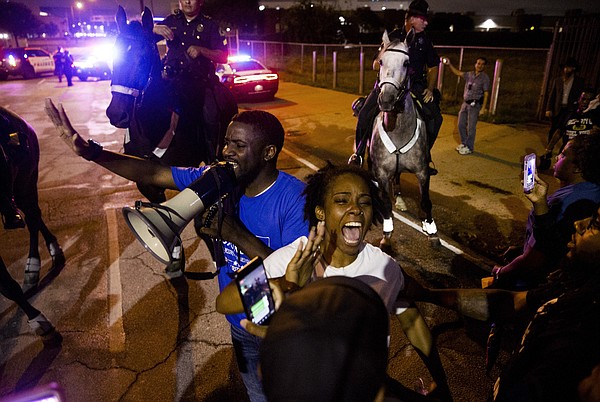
(480,7)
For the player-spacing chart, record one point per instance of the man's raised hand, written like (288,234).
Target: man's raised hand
(65,129)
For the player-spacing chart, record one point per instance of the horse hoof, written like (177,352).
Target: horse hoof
(58,257)
(429,227)
(400,204)
(45,330)
(32,274)
(386,243)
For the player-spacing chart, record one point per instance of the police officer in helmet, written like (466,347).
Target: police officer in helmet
(423,71)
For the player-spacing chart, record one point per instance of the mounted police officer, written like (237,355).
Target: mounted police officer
(423,71)
(194,43)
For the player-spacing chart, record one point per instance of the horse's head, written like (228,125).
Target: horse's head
(393,73)
(135,59)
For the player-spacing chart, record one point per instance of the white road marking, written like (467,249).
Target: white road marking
(116,338)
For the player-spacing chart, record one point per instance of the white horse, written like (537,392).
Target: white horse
(399,140)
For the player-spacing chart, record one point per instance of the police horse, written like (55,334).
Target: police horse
(141,103)
(20,161)
(399,140)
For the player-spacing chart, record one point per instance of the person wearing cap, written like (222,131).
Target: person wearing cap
(327,342)
(423,72)
(577,123)
(564,95)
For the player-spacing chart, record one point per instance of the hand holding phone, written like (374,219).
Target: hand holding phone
(528,173)
(253,285)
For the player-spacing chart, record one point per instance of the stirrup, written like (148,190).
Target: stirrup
(14,220)
(355,159)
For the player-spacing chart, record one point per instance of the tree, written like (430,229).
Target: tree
(311,23)
(17,19)
(237,14)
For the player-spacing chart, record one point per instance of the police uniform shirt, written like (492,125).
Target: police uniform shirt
(201,31)
(422,56)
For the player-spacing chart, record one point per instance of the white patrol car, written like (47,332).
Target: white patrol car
(25,61)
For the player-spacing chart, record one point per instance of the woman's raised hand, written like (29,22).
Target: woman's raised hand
(302,265)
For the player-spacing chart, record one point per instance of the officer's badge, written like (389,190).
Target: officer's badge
(200,28)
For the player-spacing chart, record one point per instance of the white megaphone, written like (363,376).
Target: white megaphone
(158,226)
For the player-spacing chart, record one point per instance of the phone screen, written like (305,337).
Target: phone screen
(528,173)
(255,292)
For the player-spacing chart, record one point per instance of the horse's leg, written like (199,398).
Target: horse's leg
(152,193)
(54,249)
(388,224)
(398,200)
(26,197)
(11,215)
(428,225)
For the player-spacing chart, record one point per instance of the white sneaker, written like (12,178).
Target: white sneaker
(461,146)
(465,151)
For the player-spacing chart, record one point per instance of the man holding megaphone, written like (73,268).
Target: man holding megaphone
(266,205)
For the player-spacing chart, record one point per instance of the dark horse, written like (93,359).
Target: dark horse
(19,161)
(399,140)
(141,103)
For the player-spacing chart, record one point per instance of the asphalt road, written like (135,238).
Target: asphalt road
(131,334)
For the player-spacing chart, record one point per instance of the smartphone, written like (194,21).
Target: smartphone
(528,173)
(255,292)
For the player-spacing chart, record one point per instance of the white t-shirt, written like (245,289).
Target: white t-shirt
(372,266)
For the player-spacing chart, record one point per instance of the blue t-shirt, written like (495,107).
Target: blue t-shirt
(276,216)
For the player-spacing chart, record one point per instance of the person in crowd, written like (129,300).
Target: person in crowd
(559,350)
(578,170)
(329,342)
(37,321)
(68,67)
(577,123)
(266,215)
(194,43)
(475,95)
(423,72)
(59,59)
(564,92)
(341,205)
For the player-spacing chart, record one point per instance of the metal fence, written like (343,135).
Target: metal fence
(348,68)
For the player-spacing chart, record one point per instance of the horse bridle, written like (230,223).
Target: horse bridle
(121,89)
(401,87)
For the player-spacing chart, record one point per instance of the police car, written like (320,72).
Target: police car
(25,61)
(248,79)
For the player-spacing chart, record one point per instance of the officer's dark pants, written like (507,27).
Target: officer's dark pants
(207,106)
